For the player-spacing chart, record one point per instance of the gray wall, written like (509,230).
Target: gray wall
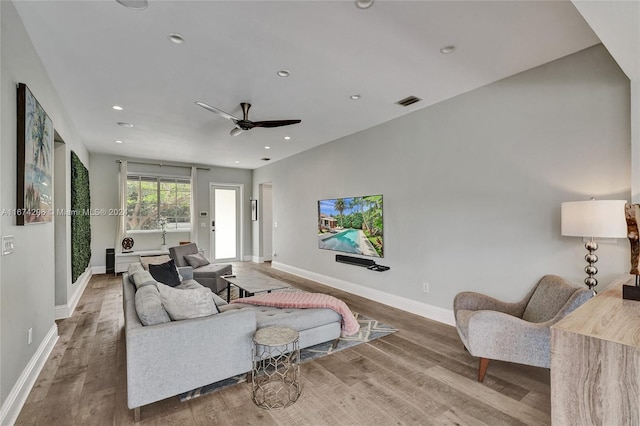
(472,186)
(104,195)
(27,277)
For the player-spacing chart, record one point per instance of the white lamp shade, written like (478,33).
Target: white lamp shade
(594,218)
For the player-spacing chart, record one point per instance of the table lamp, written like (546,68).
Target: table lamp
(593,219)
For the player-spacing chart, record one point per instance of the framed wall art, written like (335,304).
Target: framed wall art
(35,161)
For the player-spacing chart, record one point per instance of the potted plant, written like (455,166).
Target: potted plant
(163,223)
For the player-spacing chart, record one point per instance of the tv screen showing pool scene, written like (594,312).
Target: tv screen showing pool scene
(351,225)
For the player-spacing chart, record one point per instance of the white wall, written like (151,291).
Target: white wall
(472,186)
(104,195)
(27,277)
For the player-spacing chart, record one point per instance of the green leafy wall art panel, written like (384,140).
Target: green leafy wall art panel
(81,217)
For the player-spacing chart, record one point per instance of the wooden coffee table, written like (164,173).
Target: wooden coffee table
(250,283)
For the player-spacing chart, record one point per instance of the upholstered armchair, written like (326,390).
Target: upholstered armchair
(515,332)
(207,274)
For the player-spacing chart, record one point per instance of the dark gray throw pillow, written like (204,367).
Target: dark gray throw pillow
(165,273)
(196,260)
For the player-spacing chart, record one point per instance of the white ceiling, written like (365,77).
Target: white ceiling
(99,53)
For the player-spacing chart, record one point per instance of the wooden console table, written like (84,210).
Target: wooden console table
(595,361)
(124,259)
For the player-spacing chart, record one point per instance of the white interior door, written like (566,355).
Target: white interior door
(226,220)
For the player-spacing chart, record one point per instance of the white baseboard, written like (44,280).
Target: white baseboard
(257,259)
(247,258)
(65,311)
(13,404)
(97,270)
(427,311)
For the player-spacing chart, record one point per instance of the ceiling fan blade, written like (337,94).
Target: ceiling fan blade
(275,123)
(220,112)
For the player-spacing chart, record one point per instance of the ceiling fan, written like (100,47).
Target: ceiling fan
(245,124)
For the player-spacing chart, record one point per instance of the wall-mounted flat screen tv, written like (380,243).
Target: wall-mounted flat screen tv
(351,225)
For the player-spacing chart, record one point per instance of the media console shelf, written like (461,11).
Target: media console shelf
(595,361)
(124,259)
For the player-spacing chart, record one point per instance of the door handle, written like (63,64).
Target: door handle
(213,226)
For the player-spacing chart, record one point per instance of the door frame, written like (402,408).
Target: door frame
(239,218)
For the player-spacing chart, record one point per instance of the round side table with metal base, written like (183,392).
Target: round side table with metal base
(276,367)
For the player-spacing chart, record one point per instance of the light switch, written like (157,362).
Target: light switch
(7,245)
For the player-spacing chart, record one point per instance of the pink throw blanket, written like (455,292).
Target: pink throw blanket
(307,300)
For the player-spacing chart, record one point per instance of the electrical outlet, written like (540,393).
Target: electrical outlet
(425,287)
(29,336)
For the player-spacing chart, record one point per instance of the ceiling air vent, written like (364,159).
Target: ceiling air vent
(266,159)
(408,101)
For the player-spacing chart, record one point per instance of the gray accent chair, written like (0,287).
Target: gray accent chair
(515,332)
(207,275)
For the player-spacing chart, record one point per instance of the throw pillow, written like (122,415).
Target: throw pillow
(165,273)
(187,304)
(153,260)
(142,278)
(196,260)
(149,306)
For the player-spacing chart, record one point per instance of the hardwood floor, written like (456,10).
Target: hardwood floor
(420,375)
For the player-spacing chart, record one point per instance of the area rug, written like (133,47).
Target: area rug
(370,329)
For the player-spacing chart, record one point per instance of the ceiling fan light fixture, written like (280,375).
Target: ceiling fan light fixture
(134,4)
(175,38)
(448,49)
(123,124)
(364,4)
(283,73)
(235,131)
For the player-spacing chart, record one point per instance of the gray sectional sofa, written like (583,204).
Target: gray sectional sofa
(172,357)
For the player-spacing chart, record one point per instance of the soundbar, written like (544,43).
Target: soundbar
(358,261)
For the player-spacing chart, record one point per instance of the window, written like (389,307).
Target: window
(152,198)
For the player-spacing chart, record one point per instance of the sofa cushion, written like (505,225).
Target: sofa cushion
(186,304)
(142,278)
(132,269)
(189,285)
(298,319)
(196,260)
(212,270)
(149,306)
(165,273)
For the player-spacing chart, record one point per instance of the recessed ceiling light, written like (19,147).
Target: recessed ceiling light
(364,4)
(123,124)
(284,73)
(267,147)
(134,4)
(286,138)
(448,49)
(175,38)
(237,162)
(354,97)
(117,107)
(118,141)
